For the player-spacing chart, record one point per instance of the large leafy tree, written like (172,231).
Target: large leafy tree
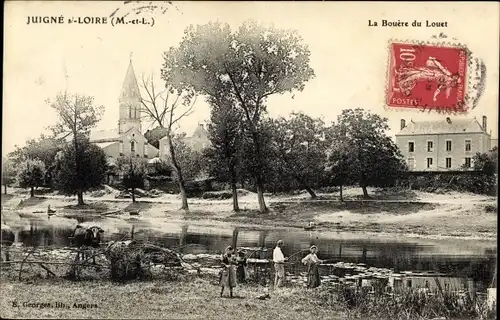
(300,147)
(90,173)
(369,155)
(252,64)
(77,115)
(8,173)
(44,148)
(31,173)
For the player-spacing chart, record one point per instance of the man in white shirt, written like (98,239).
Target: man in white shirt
(279,264)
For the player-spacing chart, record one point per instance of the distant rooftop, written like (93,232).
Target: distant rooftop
(104,135)
(448,126)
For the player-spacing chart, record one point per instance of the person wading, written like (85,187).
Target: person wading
(279,264)
(228,275)
(312,262)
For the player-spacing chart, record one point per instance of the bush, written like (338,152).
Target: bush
(218,195)
(480,184)
(131,260)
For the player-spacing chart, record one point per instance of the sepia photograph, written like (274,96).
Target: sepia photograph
(249,160)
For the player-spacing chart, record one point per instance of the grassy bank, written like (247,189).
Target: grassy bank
(188,299)
(198,298)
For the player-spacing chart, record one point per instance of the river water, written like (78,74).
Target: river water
(465,258)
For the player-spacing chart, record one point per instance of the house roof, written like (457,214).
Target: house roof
(108,134)
(105,144)
(200,132)
(442,127)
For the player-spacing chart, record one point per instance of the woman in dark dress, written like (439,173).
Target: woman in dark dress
(241,269)
(312,262)
(228,274)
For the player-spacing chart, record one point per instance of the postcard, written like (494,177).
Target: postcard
(249,160)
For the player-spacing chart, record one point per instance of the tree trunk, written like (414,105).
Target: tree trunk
(133,195)
(80,198)
(365,192)
(260,197)
(185,205)
(5,188)
(236,207)
(178,171)
(32,192)
(311,191)
(341,194)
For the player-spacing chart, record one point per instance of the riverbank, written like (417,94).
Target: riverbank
(405,213)
(198,298)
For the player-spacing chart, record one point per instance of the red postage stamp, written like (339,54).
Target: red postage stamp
(427,77)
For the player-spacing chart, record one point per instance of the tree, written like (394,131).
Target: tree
(372,158)
(226,137)
(300,146)
(8,173)
(44,148)
(165,108)
(485,183)
(77,115)
(252,64)
(134,173)
(31,174)
(337,167)
(91,171)
(486,162)
(190,161)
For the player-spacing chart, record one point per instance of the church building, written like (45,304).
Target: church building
(127,140)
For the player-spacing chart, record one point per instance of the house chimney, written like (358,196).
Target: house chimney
(448,120)
(403,124)
(201,125)
(485,124)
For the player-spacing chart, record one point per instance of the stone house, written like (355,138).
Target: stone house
(442,145)
(198,141)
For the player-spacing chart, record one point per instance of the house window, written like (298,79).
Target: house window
(145,150)
(429,162)
(468,162)
(448,145)
(411,146)
(132,146)
(448,162)
(121,147)
(430,146)
(467,145)
(130,111)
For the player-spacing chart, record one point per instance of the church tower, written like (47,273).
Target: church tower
(130,103)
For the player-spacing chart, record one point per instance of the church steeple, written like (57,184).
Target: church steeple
(130,102)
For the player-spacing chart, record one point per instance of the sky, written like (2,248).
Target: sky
(349,57)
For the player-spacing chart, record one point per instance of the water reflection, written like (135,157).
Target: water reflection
(461,258)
